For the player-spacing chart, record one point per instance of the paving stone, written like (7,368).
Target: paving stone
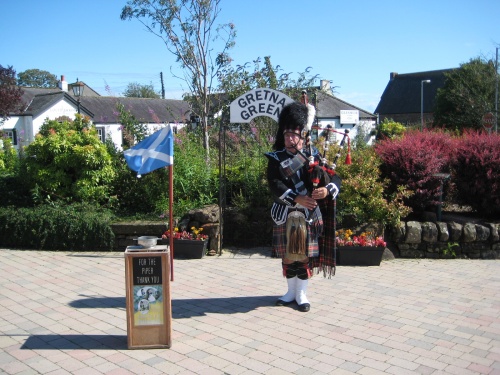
(65,312)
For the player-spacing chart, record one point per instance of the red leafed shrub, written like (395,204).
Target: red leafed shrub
(412,160)
(476,172)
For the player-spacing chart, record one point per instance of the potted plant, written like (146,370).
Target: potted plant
(364,249)
(188,245)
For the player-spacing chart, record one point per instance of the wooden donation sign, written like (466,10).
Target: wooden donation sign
(149,308)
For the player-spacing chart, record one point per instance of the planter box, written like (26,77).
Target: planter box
(189,249)
(359,256)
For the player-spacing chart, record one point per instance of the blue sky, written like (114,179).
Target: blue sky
(353,43)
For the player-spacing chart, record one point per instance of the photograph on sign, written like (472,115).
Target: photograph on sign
(148,305)
(148,298)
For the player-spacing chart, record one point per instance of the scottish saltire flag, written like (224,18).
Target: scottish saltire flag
(154,152)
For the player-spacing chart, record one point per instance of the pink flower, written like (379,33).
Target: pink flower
(345,237)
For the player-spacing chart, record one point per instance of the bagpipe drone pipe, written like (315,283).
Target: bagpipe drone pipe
(320,170)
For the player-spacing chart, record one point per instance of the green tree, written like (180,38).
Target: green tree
(363,194)
(468,93)
(187,29)
(136,90)
(235,81)
(37,78)
(67,161)
(133,130)
(10,94)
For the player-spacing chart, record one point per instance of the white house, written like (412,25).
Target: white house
(41,104)
(341,115)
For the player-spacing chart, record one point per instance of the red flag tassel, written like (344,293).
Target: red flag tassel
(348,157)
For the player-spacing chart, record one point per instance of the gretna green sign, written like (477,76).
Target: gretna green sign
(258,102)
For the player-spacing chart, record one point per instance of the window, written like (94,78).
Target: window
(11,134)
(101,133)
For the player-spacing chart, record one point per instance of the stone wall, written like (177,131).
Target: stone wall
(206,218)
(415,239)
(126,233)
(412,239)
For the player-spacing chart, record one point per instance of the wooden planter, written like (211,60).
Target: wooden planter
(190,249)
(359,255)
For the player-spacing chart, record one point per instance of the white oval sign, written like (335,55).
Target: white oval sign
(258,102)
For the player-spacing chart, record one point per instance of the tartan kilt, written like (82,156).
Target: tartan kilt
(313,231)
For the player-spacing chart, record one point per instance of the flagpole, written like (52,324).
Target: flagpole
(171,219)
(150,154)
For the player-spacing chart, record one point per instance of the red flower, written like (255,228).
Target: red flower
(345,237)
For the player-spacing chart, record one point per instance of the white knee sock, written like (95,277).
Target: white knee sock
(292,286)
(300,292)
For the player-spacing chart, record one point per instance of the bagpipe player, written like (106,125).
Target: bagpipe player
(303,214)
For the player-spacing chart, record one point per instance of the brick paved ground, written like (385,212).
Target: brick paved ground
(64,313)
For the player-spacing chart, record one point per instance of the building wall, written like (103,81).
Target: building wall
(23,125)
(366,125)
(61,108)
(26,127)
(113,132)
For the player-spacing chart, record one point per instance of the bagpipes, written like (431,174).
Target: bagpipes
(321,171)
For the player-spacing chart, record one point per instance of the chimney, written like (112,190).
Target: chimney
(393,75)
(324,85)
(63,85)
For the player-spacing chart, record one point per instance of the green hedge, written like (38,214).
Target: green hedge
(73,227)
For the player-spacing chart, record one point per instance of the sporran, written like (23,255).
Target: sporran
(296,234)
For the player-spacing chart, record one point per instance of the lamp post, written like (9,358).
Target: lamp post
(422,102)
(496,92)
(78,91)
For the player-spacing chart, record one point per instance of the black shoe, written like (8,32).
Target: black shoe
(305,307)
(280,302)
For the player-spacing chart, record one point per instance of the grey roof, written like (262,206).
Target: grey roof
(144,110)
(102,109)
(43,102)
(29,93)
(329,106)
(39,100)
(403,92)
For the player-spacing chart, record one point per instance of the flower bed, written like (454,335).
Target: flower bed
(194,235)
(364,249)
(346,237)
(188,245)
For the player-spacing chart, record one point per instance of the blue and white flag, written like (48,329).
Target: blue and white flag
(154,152)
